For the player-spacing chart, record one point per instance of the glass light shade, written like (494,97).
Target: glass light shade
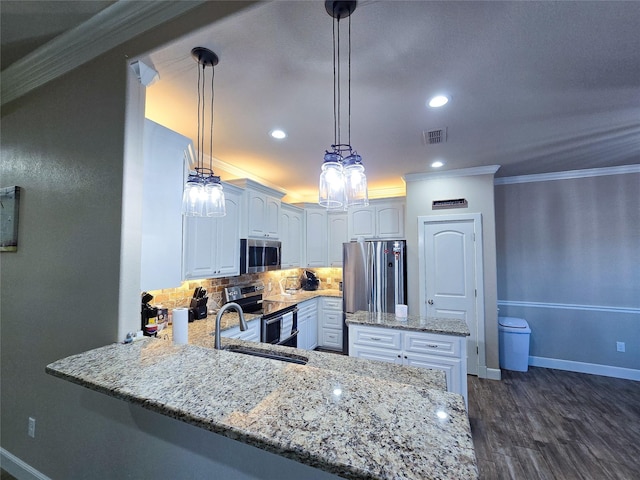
(355,181)
(193,197)
(331,189)
(215,203)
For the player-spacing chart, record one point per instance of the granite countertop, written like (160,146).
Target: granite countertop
(338,414)
(446,326)
(302,295)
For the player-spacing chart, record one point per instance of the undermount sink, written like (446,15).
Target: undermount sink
(283,357)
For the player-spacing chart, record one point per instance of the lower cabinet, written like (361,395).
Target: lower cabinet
(413,348)
(308,324)
(251,334)
(330,323)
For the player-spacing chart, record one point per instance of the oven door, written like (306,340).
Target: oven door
(280,328)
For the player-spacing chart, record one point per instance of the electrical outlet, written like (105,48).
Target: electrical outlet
(329,281)
(31,430)
(620,347)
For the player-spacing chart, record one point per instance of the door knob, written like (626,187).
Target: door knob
(430,302)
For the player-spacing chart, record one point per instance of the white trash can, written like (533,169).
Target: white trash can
(514,336)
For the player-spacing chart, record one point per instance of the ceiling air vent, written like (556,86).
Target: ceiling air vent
(434,136)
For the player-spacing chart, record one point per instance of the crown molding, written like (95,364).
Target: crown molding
(462,172)
(570,174)
(109,28)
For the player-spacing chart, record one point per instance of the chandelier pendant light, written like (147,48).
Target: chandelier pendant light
(203,195)
(343,182)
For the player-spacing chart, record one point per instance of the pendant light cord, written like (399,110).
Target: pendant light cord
(349,92)
(198,142)
(213,70)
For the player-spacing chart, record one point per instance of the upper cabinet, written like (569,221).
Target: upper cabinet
(316,237)
(338,234)
(291,235)
(161,224)
(260,217)
(381,219)
(212,245)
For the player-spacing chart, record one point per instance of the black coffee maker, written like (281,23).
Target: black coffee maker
(149,314)
(309,281)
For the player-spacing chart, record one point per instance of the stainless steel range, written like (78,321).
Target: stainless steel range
(279,322)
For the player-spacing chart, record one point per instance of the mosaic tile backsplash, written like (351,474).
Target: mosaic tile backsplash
(180,296)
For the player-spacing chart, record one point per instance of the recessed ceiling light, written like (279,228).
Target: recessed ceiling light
(278,134)
(438,101)
(437,164)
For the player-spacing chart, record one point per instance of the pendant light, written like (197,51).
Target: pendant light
(343,182)
(203,195)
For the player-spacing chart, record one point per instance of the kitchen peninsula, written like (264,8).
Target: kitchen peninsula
(351,417)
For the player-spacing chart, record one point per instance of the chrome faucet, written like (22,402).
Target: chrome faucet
(225,307)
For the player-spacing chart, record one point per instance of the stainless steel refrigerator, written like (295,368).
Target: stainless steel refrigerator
(374,277)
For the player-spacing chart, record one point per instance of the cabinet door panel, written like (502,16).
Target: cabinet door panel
(316,238)
(450,366)
(338,234)
(199,254)
(390,221)
(362,223)
(228,239)
(377,337)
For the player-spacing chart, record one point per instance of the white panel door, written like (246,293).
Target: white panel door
(450,280)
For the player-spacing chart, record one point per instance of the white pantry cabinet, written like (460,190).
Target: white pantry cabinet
(414,348)
(212,245)
(308,324)
(330,323)
(260,211)
(162,185)
(380,219)
(291,234)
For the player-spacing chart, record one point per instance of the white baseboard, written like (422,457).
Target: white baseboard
(580,367)
(494,374)
(19,469)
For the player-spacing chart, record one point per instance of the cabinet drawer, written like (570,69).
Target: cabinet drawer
(381,355)
(332,303)
(433,344)
(251,334)
(332,319)
(331,338)
(377,337)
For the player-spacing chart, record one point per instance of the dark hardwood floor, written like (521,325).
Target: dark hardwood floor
(552,424)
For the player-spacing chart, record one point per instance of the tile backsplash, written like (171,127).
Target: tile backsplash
(180,296)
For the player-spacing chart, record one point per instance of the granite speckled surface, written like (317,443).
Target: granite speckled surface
(369,428)
(446,326)
(302,295)
(355,418)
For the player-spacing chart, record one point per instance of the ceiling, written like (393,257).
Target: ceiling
(535,87)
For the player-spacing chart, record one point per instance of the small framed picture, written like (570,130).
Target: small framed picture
(9,208)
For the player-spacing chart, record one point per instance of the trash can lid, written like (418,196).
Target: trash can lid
(513,322)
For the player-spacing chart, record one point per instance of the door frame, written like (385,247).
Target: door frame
(476,218)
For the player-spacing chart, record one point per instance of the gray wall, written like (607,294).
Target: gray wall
(63,144)
(574,242)
(478,190)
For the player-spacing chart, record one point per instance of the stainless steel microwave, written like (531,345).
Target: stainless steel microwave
(259,255)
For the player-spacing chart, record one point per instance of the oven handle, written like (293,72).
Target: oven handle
(269,321)
(293,334)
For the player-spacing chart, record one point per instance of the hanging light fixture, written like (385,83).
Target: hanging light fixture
(343,182)
(203,195)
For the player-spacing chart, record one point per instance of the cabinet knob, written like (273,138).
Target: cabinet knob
(399,356)
(430,302)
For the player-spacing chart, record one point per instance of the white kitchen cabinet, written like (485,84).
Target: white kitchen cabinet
(251,334)
(291,235)
(330,323)
(316,254)
(212,244)
(260,211)
(338,234)
(161,224)
(308,324)
(380,219)
(413,348)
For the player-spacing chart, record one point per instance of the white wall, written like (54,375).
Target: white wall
(569,263)
(63,144)
(478,190)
